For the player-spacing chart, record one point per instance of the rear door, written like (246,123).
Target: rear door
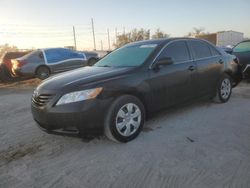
(55,60)
(72,59)
(172,84)
(60,59)
(209,66)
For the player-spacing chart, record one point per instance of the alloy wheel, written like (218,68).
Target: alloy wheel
(225,89)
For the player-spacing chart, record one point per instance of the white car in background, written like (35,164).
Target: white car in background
(43,62)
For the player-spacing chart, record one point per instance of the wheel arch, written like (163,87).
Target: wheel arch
(138,94)
(235,77)
(42,66)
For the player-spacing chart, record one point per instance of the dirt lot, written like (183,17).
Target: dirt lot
(199,145)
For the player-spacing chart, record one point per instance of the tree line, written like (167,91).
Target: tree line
(144,34)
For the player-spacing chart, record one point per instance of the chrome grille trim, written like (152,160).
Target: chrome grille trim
(41,100)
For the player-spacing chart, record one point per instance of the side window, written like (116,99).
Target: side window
(65,54)
(72,54)
(53,56)
(201,49)
(214,51)
(242,47)
(178,51)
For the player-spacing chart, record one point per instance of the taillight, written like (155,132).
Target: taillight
(21,63)
(18,63)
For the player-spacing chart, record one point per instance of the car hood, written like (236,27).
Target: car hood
(73,79)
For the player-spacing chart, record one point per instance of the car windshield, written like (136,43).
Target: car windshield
(127,56)
(242,47)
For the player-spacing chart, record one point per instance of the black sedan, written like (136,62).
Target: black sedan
(242,51)
(129,84)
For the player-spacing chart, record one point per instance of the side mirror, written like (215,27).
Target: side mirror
(229,51)
(164,61)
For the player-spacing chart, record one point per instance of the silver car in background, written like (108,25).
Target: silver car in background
(44,62)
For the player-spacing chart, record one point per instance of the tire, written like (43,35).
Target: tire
(92,61)
(42,73)
(224,89)
(121,112)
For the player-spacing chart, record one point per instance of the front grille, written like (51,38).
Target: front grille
(41,100)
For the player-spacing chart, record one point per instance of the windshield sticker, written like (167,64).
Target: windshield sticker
(148,46)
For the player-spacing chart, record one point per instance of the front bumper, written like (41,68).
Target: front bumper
(82,117)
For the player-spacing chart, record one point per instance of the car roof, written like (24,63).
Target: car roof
(58,48)
(161,41)
(245,41)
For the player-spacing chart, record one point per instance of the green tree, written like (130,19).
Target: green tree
(160,34)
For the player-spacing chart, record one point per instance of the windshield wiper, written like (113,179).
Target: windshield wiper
(105,66)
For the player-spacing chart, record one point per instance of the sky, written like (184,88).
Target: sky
(49,23)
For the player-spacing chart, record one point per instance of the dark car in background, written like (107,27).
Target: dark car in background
(242,52)
(6,64)
(129,84)
(92,57)
(44,62)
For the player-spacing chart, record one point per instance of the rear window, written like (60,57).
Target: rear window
(200,49)
(35,56)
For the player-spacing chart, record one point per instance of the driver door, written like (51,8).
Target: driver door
(173,84)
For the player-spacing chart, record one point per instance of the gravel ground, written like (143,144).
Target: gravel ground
(198,145)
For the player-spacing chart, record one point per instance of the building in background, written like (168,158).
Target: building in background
(223,38)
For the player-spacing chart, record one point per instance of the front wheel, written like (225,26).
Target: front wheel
(125,119)
(224,89)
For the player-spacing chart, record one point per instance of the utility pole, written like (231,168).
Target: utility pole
(108,39)
(93,31)
(74,33)
(101,45)
(116,35)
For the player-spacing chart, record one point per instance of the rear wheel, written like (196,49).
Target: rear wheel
(125,119)
(43,72)
(224,89)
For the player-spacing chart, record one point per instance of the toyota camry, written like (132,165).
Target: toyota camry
(120,91)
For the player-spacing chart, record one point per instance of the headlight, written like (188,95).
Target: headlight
(79,96)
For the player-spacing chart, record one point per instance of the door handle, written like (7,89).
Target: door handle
(191,68)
